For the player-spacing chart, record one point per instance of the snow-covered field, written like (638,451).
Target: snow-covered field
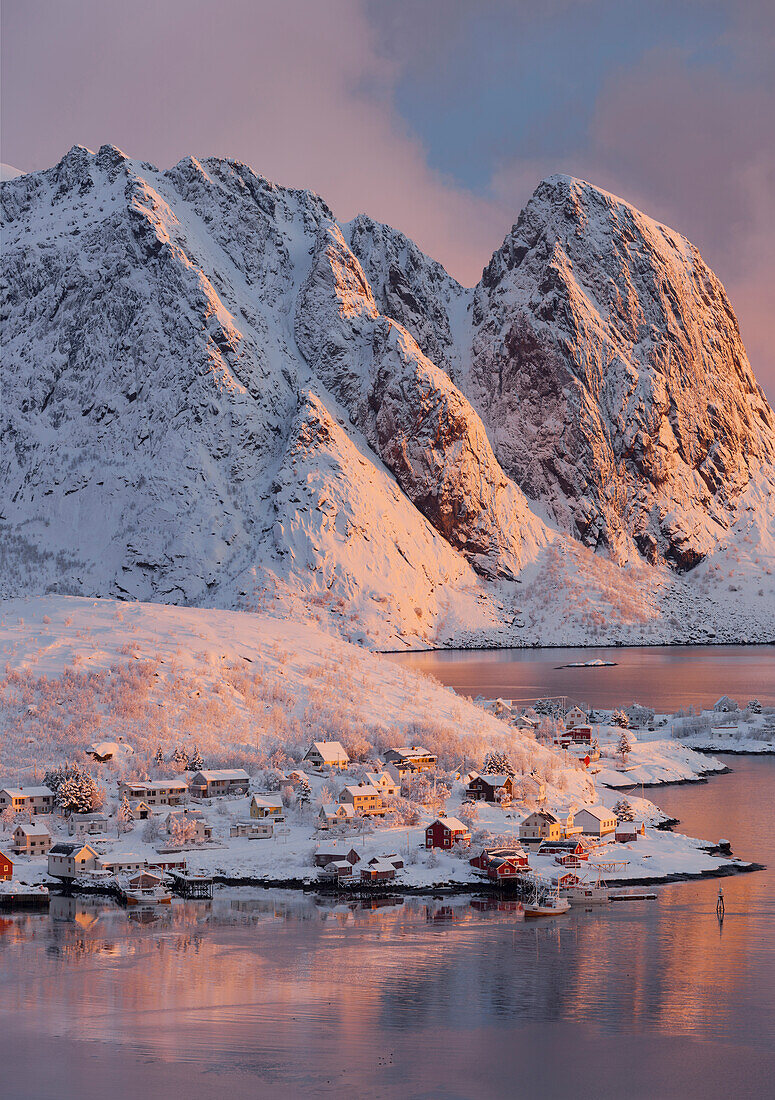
(253,691)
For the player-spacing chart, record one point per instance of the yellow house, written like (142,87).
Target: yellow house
(541,825)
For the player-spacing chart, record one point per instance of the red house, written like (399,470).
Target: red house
(501,870)
(488,856)
(446,831)
(6,868)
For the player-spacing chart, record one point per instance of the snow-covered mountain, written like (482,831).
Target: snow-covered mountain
(215,394)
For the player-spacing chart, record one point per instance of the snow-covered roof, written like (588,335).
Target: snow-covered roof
(227,774)
(362,789)
(32,828)
(157,784)
(110,748)
(268,801)
(411,751)
(493,780)
(332,751)
(452,823)
(70,849)
(378,864)
(600,812)
(339,865)
(27,792)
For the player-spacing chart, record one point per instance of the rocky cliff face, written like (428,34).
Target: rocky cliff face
(608,366)
(213,391)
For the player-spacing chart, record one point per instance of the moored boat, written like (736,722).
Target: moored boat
(549,907)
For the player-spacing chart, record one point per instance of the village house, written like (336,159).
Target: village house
(123,863)
(525,724)
(327,853)
(364,799)
(141,811)
(67,861)
(326,754)
(267,806)
(568,851)
(541,825)
(38,800)
(575,717)
(337,870)
(501,864)
(385,783)
(628,831)
(414,757)
(596,820)
(579,735)
(219,784)
(193,820)
(335,813)
(102,751)
(6,868)
(445,832)
(93,824)
(31,839)
(253,830)
(378,870)
(490,788)
(154,792)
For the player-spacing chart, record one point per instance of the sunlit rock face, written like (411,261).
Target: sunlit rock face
(212,391)
(607,364)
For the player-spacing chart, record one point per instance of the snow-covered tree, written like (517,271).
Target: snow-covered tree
(754,706)
(182,830)
(497,763)
(619,718)
(179,758)
(624,745)
(469,813)
(126,818)
(158,758)
(79,794)
(624,811)
(195,761)
(303,792)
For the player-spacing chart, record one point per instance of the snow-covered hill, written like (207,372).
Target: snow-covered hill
(216,395)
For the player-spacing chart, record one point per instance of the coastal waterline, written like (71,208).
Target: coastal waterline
(420,997)
(665,678)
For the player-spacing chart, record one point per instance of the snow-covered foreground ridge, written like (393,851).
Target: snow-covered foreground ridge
(216,395)
(252,691)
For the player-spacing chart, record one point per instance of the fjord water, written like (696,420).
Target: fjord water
(282,993)
(663,677)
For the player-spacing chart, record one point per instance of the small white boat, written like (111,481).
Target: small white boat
(550,907)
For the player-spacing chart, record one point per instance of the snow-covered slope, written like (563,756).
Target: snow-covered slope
(216,395)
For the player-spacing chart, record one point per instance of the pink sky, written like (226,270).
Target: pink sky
(412,115)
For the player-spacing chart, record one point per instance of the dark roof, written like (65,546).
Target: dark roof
(64,849)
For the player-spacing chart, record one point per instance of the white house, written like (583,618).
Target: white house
(575,717)
(67,861)
(384,783)
(102,751)
(38,800)
(596,820)
(154,792)
(333,813)
(31,838)
(327,754)
(220,783)
(253,830)
(122,864)
(82,825)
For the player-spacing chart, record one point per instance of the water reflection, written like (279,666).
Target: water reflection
(402,997)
